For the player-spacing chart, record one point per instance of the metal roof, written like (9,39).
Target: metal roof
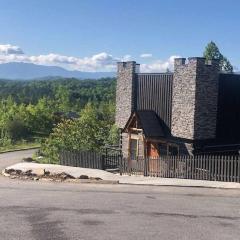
(149,122)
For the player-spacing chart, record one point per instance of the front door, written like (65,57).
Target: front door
(152,151)
(153,154)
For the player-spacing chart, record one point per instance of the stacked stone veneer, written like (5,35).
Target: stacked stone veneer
(125,98)
(194,99)
(125,94)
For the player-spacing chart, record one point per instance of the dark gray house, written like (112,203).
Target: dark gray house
(195,109)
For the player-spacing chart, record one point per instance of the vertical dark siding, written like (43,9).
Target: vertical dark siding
(228,117)
(154,92)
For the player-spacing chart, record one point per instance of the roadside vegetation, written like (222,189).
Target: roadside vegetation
(57,114)
(20,145)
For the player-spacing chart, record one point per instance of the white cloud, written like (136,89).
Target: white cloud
(98,62)
(9,49)
(146,55)
(126,58)
(159,65)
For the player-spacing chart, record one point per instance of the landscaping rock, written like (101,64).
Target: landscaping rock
(13,171)
(62,176)
(39,172)
(47,173)
(83,177)
(29,173)
(28,159)
(95,178)
(98,178)
(9,171)
(5,174)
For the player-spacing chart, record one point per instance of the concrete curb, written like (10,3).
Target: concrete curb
(112,182)
(110,178)
(180,186)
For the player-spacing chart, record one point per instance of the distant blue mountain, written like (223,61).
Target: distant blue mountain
(27,71)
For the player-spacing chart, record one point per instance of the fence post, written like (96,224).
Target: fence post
(121,166)
(146,166)
(103,161)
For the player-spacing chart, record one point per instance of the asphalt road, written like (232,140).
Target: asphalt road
(61,211)
(10,158)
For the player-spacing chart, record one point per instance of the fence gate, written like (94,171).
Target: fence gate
(112,158)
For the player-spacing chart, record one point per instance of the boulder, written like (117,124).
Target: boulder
(13,171)
(83,177)
(62,176)
(28,159)
(39,172)
(95,178)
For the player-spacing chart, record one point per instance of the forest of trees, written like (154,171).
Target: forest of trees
(69,113)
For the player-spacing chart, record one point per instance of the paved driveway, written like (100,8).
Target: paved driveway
(61,211)
(7,159)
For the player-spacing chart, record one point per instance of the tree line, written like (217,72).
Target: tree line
(61,113)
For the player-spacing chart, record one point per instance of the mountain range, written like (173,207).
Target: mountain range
(28,71)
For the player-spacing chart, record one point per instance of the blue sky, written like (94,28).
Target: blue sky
(92,35)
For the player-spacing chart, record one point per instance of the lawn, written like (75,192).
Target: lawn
(20,146)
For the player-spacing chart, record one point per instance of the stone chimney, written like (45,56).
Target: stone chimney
(125,94)
(194,99)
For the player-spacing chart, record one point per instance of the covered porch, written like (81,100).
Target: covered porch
(147,137)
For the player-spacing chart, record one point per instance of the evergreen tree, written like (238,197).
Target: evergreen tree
(213,52)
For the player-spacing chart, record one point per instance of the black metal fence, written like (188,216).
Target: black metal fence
(112,157)
(84,159)
(201,167)
(204,167)
(109,159)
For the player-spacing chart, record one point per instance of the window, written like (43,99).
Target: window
(133,148)
(162,148)
(172,150)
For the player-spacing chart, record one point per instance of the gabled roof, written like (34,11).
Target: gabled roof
(149,122)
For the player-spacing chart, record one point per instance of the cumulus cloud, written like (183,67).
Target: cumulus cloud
(10,49)
(99,62)
(146,55)
(159,65)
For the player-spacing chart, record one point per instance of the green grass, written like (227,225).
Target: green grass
(20,146)
(42,160)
